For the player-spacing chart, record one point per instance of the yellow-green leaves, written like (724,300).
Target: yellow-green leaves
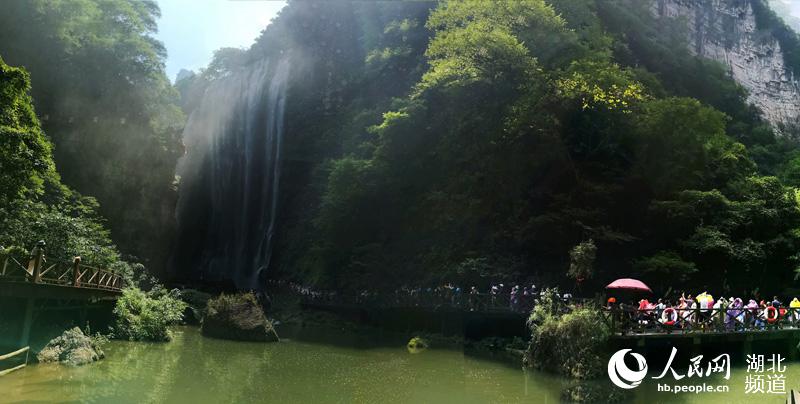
(512,16)
(478,52)
(601,85)
(487,41)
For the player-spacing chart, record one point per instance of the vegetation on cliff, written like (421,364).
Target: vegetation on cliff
(104,100)
(593,124)
(34,204)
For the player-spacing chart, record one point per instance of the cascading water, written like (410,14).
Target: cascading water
(230,177)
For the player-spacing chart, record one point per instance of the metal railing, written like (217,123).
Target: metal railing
(632,321)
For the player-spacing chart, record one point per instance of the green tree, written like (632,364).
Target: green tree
(581,261)
(107,104)
(25,152)
(509,132)
(34,205)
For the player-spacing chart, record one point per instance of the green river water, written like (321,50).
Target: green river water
(194,369)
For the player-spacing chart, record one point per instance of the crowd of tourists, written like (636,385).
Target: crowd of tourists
(704,311)
(518,298)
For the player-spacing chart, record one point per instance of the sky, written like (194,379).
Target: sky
(794,6)
(192,30)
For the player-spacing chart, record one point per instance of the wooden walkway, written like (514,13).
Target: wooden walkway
(40,279)
(699,327)
(775,333)
(60,286)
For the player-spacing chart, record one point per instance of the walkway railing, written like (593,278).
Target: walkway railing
(72,274)
(632,321)
(433,299)
(10,355)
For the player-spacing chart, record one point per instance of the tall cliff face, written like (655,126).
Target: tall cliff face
(230,176)
(726,31)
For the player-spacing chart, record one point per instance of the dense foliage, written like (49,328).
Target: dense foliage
(26,152)
(101,92)
(458,141)
(515,132)
(146,316)
(34,205)
(567,340)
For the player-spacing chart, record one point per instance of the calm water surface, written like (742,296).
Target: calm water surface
(193,369)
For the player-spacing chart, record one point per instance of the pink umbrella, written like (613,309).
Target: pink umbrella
(629,284)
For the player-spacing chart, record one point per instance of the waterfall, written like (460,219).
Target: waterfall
(230,177)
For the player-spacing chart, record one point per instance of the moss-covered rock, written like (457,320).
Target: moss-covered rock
(73,348)
(237,317)
(417,345)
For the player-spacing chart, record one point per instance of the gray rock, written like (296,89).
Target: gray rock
(73,348)
(237,317)
(726,31)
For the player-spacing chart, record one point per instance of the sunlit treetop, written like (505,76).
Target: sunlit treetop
(25,156)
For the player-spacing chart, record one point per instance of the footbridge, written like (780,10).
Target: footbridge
(45,286)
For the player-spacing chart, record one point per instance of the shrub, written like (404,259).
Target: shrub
(571,344)
(147,316)
(548,305)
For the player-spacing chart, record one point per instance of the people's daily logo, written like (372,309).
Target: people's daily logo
(623,376)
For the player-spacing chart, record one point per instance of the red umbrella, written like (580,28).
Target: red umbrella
(629,284)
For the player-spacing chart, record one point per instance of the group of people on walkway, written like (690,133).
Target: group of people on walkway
(516,297)
(703,311)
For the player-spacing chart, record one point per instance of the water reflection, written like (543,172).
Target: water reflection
(193,369)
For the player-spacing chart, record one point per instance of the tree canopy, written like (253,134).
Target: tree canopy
(103,97)
(34,205)
(524,130)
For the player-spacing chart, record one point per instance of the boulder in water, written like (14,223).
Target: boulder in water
(417,345)
(73,348)
(237,317)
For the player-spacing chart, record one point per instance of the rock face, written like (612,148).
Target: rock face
(726,31)
(196,303)
(237,317)
(73,348)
